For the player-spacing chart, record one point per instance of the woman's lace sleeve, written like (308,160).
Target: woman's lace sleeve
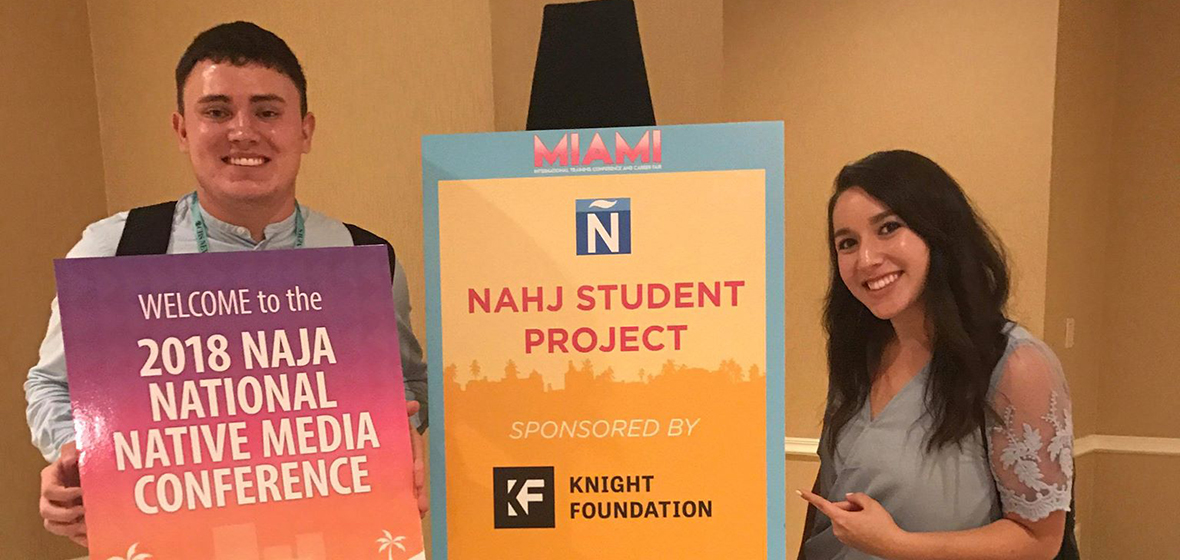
(1031,442)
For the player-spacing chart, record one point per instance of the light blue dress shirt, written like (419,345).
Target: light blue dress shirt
(47,388)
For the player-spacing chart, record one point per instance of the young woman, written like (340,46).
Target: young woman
(948,432)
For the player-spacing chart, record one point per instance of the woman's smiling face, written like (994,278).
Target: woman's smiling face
(881,260)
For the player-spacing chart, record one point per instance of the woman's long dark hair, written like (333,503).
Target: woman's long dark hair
(965,293)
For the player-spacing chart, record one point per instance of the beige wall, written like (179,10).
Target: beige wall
(50,188)
(681,49)
(1136,510)
(1142,383)
(801,474)
(1115,202)
(1081,192)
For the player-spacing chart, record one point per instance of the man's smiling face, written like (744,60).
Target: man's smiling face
(243,131)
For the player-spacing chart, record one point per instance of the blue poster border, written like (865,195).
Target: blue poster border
(704,147)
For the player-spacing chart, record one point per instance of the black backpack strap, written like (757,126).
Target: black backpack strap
(362,236)
(148,230)
(1069,542)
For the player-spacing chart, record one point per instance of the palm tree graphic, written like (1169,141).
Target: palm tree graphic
(388,542)
(132,555)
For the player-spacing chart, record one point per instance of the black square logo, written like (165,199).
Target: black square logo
(523,497)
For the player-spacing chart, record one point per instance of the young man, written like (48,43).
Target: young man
(242,119)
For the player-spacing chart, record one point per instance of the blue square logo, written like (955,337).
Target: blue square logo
(603,226)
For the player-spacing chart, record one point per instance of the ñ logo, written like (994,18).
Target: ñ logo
(603,226)
(523,497)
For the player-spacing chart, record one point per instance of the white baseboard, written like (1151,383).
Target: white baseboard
(1127,445)
(805,448)
(802,448)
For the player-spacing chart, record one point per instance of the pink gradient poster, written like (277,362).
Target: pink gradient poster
(244,406)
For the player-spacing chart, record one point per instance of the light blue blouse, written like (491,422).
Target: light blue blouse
(1026,469)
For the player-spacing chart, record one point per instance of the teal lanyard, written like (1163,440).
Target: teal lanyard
(202,230)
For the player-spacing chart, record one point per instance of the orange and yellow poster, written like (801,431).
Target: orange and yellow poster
(605,339)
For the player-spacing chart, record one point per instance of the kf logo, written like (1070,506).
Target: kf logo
(523,497)
(603,226)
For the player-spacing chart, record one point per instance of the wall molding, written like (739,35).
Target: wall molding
(1127,445)
(802,448)
(805,448)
